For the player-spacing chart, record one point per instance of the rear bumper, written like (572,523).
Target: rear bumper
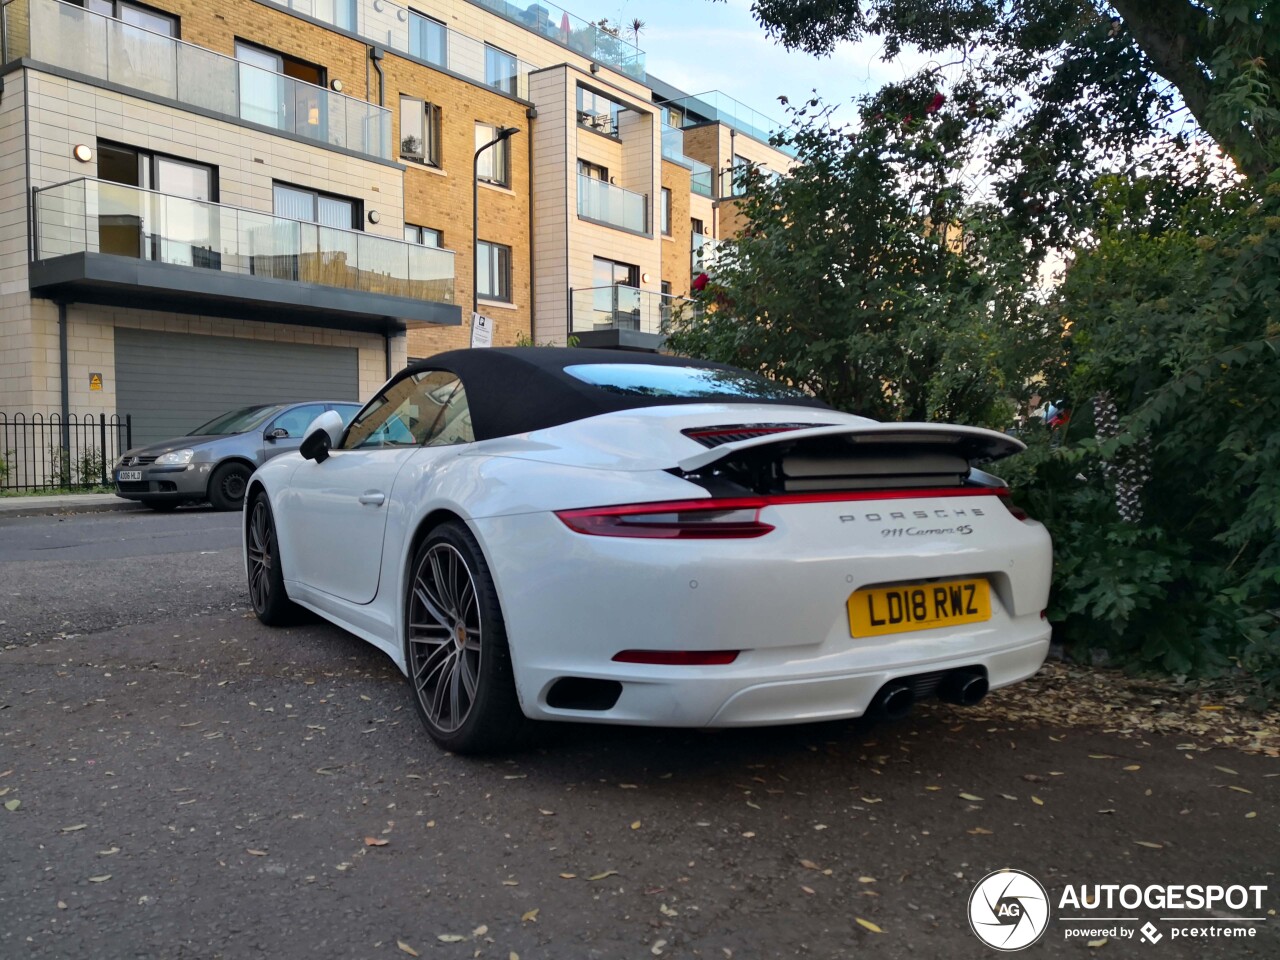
(571,602)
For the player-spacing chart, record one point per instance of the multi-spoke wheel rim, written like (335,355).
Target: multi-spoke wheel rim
(260,556)
(233,485)
(444,637)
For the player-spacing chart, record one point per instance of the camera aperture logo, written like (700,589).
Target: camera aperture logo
(1009,910)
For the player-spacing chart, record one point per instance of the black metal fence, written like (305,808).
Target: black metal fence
(39,452)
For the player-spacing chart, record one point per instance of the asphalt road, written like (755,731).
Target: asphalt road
(187,783)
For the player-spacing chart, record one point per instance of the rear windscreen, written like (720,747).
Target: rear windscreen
(648,380)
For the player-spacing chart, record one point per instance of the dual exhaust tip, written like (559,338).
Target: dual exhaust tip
(964,687)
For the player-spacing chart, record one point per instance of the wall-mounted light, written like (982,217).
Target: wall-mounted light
(379,5)
(595,68)
(645,278)
(402,14)
(337,85)
(82,152)
(374,216)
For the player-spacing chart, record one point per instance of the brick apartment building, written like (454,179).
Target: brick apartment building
(209,204)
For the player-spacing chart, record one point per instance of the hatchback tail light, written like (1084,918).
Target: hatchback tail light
(678,658)
(731,518)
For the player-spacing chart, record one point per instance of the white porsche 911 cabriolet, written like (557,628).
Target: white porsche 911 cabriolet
(566,534)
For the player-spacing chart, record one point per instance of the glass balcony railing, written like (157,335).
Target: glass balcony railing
(406,31)
(96,216)
(673,150)
(588,39)
(702,255)
(605,203)
(107,49)
(722,108)
(620,307)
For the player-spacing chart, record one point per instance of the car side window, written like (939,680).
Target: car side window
(426,408)
(346,411)
(297,420)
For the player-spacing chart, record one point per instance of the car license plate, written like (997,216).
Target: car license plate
(879,610)
(124,476)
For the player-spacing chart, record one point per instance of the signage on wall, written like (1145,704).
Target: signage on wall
(95,381)
(481,331)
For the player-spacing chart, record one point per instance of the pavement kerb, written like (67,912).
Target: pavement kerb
(69,504)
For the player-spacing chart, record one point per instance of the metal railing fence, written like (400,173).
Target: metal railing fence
(39,452)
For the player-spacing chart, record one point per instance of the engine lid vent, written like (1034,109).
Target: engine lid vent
(731,433)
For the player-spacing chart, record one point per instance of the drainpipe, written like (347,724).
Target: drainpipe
(387,338)
(62,371)
(531,114)
(376,54)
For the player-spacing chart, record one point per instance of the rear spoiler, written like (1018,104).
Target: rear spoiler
(971,443)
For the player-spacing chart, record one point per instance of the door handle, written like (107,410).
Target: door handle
(373,498)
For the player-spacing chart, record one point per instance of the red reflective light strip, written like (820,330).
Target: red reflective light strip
(609,522)
(678,658)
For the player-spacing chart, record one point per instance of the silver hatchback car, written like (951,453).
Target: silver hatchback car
(214,461)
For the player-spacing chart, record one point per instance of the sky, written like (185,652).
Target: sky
(698,45)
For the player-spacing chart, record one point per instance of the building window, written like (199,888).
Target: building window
(494,264)
(419,131)
(593,170)
(134,14)
(493,166)
(665,214)
(423,235)
(266,97)
(697,226)
(428,39)
(186,235)
(599,113)
(326,209)
(500,69)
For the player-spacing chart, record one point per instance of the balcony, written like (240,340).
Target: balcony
(717,107)
(101,242)
(673,150)
(624,317)
(556,23)
(103,48)
(407,32)
(602,202)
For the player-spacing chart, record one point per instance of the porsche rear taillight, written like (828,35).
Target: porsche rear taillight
(1017,511)
(678,658)
(733,518)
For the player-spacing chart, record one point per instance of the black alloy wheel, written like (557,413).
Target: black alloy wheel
(458,659)
(266,580)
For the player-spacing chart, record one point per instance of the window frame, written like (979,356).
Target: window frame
(424,55)
(357,205)
(117,5)
(508,84)
(491,158)
(495,259)
(421,236)
(428,437)
(431,132)
(664,211)
(607,124)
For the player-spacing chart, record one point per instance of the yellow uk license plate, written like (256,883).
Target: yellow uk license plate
(879,610)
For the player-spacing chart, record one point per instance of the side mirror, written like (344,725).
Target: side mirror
(324,433)
(279,433)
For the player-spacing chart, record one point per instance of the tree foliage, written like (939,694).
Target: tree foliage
(853,282)
(1071,88)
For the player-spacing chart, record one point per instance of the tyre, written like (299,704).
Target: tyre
(266,579)
(161,506)
(227,486)
(456,647)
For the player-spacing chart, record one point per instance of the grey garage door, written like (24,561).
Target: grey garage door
(173,382)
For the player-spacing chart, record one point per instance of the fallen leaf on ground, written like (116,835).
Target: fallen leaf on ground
(601,876)
(449,938)
(529,916)
(1134,766)
(980,831)
(866,879)
(808,890)
(809,865)
(1097,943)
(970,796)
(101,879)
(1238,789)
(635,825)
(405,948)
(1148,843)
(255,853)
(12,805)
(108,852)
(1037,801)
(867,924)
(74,827)
(568,876)
(375,842)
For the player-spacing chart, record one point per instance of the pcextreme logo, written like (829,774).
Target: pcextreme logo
(1010,909)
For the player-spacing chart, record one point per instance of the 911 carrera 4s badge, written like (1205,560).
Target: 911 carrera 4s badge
(880,610)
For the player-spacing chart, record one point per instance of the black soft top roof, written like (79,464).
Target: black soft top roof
(513,390)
